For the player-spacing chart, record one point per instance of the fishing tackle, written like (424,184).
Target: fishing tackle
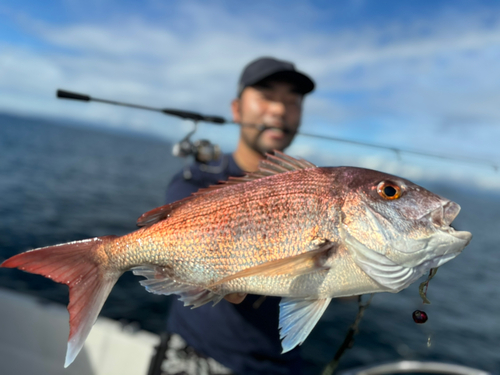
(203,150)
(419,317)
(422,289)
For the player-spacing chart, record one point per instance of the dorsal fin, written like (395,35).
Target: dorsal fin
(160,213)
(272,165)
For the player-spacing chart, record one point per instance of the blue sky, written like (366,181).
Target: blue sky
(410,74)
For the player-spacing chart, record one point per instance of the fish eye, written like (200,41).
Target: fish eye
(389,190)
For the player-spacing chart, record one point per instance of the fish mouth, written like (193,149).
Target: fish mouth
(442,217)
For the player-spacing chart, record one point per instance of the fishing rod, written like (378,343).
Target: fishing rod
(212,152)
(202,150)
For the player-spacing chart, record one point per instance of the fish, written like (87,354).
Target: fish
(291,229)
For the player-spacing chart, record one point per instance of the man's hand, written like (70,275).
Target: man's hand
(235,297)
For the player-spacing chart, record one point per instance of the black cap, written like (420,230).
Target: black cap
(271,68)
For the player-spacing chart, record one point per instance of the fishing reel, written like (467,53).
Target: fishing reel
(202,150)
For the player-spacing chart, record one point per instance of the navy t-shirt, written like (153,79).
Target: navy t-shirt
(243,337)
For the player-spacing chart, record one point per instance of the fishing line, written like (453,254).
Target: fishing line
(349,338)
(396,150)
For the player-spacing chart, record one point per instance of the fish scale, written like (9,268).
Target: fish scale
(232,229)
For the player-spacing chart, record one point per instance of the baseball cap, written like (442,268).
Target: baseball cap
(271,68)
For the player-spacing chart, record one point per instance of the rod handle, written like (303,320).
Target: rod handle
(63,94)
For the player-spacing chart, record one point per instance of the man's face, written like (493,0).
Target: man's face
(275,105)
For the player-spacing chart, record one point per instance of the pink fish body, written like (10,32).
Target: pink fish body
(291,229)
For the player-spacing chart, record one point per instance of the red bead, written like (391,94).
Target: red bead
(419,317)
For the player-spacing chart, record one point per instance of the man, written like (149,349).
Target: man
(242,337)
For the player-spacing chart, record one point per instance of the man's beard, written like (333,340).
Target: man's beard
(255,143)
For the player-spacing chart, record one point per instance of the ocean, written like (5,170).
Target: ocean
(61,183)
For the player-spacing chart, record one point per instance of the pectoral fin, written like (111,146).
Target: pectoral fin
(297,319)
(310,261)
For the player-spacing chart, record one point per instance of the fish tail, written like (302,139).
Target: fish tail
(79,265)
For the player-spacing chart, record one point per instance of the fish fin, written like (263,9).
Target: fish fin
(297,319)
(308,262)
(273,164)
(89,284)
(380,268)
(160,213)
(158,282)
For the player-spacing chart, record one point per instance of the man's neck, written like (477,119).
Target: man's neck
(246,158)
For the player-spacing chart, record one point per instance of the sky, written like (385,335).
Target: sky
(420,75)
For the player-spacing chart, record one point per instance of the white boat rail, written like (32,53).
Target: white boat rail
(414,367)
